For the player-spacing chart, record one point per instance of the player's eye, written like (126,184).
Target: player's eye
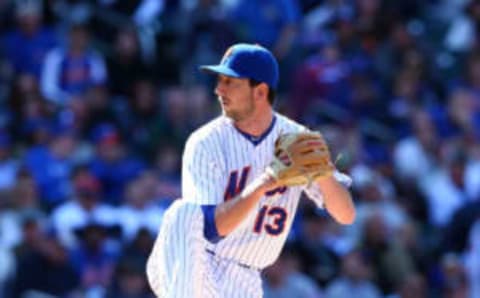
(225,81)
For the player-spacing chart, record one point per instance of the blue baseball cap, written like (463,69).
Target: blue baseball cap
(249,61)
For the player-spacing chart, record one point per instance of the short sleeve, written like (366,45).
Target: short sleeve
(202,178)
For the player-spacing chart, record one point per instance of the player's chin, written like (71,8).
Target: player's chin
(231,114)
(227,114)
(225,105)
(227,111)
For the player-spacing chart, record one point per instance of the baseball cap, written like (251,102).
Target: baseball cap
(250,61)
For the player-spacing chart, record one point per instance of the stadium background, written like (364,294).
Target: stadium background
(98,97)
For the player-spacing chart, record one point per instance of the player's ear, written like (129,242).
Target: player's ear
(262,91)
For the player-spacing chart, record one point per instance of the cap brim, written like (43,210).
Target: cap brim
(220,69)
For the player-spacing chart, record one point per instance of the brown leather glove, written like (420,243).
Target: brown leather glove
(299,158)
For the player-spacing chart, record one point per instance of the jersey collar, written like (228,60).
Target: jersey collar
(257,140)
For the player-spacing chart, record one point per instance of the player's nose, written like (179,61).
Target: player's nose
(219,90)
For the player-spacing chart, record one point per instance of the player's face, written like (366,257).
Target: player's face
(235,96)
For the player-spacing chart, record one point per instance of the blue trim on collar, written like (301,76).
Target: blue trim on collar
(257,140)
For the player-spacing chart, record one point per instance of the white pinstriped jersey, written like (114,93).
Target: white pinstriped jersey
(218,162)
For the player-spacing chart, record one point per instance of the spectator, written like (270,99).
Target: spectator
(454,281)
(101,107)
(30,112)
(355,278)
(85,205)
(319,260)
(143,120)
(461,33)
(422,147)
(43,264)
(139,248)
(455,235)
(270,23)
(390,53)
(374,193)
(8,164)
(94,259)
(113,164)
(456,183)
(69,72)
(166,173)
(321,79)
(142,12)
(139,210)
(409,96)
(414,239)
(414,286)
(472,260)
(125,65)
(29,42)
(23,204)
(175,110)
(6,270)
(209,33)
(283,279)
(462,112)
(51,167)
(390,261)
(366,102)
(129,281)
(200,108)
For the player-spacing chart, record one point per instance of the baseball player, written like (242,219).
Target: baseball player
(235,214)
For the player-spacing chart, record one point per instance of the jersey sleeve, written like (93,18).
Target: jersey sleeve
(314,193)
(202,177)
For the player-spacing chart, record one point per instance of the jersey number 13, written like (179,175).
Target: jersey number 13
(277,225)
(236,183)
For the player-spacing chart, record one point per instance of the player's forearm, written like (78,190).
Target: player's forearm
(337,200)
(230,214)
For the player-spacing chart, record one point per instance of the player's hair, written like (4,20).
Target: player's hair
(271,91)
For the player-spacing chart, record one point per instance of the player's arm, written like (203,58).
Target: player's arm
(336,199)
(203,183)
(221,219)
(305,156)
(230,214)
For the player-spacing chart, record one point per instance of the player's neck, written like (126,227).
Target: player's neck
(257,124)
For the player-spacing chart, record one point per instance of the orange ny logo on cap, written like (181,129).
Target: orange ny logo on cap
(227,54)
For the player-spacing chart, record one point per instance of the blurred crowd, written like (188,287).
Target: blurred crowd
(98,97)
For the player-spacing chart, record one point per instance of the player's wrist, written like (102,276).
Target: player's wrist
(257,188)
(267,182)
(325,179)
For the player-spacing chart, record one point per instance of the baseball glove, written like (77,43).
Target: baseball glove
(299,158)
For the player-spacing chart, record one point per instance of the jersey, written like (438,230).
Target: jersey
(218,162)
